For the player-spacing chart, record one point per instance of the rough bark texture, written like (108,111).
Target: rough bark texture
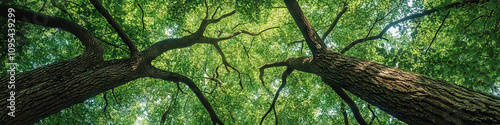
(47,90)
(410,97)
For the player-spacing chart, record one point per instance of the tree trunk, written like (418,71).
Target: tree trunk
(49,89)
(410,97)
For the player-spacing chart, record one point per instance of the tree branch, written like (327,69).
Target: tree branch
(175,77)
(344,113)
(316,45)
(206,21)
(142,18)
(113,92)
(413,16)
(106,102)
(350,103)
(91,44)
(435,35)
(63,10)
(335,21)
(244,32)
(374,116)
(224,61)
(114,24)
(297,41)
(116,46)
(269,65)
(475,20)
(43,6)
(164,116)
(238,25)
(285,74)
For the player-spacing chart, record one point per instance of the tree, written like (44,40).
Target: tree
(410,97)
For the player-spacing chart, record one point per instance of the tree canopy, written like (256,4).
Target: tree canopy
(451,40)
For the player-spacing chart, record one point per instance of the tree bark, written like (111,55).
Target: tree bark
(410,97)
(49,89)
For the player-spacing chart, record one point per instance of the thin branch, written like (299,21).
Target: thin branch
(335,21)
(244,32)
(279,7)
(115,26)
(238,25)
(185,30)
(43,6)
(224,61)
(491,13)
(114,45)
(285,74)
(206,21)
(207,7)
(154,72)
(63,10)
(164,116)
(113,93)
(475,20)
(344,113)
(413,16)
(142,19)
(215,12)
(350,103)
(297,41)
(275,115)
(435,35)
(179,88)
(374,116)
(380,19)
(106,102)
(250,47)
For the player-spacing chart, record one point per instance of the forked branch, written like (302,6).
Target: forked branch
(154,72)
(224,61)
(413,16)
(316,45)
(285,74)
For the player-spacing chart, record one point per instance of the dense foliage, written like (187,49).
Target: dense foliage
(465,50)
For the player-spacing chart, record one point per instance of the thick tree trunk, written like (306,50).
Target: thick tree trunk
(410,97)
(49,89)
